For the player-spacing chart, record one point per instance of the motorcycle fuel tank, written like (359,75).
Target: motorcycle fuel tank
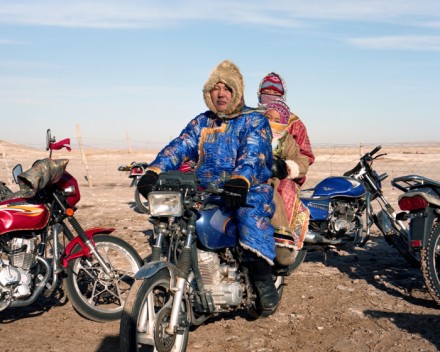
(339,186)
(18,215)
(216,229)
(318,201)
(319,208)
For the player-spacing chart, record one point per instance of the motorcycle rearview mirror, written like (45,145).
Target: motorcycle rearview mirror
(16,171)
(49,139)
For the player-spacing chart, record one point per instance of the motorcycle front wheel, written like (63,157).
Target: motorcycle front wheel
(431,263)
(146,315)
(95,294)
(141,202)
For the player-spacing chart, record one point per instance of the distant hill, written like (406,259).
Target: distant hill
(11,148)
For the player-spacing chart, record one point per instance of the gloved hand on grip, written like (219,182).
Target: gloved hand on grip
(147,182)
(279,169)
(240,188)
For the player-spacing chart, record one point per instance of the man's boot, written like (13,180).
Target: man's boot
(261,275)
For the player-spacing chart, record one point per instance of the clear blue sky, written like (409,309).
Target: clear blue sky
(357,71)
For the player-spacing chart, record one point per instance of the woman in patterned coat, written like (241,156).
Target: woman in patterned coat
(292,145)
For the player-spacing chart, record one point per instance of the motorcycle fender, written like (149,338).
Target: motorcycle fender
(134,182)
(152,268)
(72,253)
(421,224)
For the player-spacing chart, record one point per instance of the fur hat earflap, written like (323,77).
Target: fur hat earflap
(228,73)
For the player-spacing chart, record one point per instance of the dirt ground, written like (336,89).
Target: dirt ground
(367,299)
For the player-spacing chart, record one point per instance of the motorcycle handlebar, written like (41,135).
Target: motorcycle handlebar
(369,156)
(221,191)
(375,150)
(364,162)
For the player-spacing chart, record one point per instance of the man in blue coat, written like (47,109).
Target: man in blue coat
(231,142)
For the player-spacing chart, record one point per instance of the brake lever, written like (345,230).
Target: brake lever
(378,156)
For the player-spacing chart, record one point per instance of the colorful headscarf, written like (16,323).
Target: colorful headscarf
(275,82)
(282,108)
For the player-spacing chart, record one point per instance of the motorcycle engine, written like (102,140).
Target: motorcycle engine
(15,280)
(221,279)
(342,217)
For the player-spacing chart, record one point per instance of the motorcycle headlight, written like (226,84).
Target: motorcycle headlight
(70,190)
(165,203)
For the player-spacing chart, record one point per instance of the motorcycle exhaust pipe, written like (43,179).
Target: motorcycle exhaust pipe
(38,289)
(316,238)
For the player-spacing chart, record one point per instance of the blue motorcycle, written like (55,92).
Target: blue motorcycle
(339,204)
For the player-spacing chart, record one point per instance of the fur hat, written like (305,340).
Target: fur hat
(282,108)
(275,82)
(228,73)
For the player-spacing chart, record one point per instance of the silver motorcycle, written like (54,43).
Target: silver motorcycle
(197,270)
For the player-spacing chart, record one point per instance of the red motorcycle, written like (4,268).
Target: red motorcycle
(43,245)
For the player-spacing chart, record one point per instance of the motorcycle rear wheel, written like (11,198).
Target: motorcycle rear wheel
(431,263)
(145,317)
(141,202)
(96,295)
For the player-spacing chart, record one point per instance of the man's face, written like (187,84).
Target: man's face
(221,96)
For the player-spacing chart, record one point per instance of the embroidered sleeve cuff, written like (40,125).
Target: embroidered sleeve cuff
(243,178)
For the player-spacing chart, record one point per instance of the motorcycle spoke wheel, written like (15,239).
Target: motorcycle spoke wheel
(430,263)
(146,315)
(95,294)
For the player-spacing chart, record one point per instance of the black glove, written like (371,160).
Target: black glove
(147,182)
(279,169)
(238,186)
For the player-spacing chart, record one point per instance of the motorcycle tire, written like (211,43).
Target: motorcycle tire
(145,317)
(430,263)
(141,202)
(94,294)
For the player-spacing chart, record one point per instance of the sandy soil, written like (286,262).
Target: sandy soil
(367,299)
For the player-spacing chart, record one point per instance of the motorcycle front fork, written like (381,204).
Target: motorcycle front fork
(56,266)
(183,269)
(82,235)
(90,245)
